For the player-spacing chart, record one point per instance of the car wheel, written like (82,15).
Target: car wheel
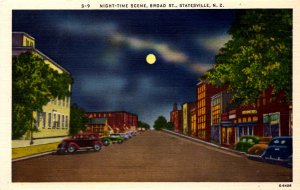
(106,143)
(120,141)
(71,148)
(97,147)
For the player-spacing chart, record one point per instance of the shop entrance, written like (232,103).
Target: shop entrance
(228,136)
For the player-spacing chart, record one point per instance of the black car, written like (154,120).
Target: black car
(280,149)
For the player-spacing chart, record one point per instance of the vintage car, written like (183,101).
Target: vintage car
(260,147)
(116,138)
(126,136)
(280,149)
(106,140)
(246,142)
(79,141)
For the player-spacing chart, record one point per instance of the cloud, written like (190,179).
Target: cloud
(167,52)
(110,32)
(79,27)
(214,43)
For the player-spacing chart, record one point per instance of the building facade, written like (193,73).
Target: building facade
(204,92)
(176,118)
(55,119)
(186,117)
(194,121)
(275,114)
(118,122)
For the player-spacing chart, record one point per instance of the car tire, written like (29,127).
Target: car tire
(97,147)
(106,143)
(71,148)
(120,141)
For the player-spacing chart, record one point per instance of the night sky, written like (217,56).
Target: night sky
(105,52)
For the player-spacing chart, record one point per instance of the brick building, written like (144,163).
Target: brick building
(186,117)
(176,118)
(119,121)
(204,93)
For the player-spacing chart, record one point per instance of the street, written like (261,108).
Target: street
(152,156)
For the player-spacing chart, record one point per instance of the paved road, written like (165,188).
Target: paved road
(152,156)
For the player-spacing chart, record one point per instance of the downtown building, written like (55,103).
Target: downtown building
(204,92)
(176,118)
(188,111)
(55,119)
(105,123)
(221,122)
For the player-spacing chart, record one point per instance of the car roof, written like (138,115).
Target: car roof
(283,137)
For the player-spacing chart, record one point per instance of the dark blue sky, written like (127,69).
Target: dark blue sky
(105,51)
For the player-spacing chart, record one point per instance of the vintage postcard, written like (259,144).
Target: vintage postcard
(149,94)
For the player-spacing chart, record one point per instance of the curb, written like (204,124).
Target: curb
(206,143)
(32,156)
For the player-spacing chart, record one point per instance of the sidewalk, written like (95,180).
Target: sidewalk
(204,142)
(26,143)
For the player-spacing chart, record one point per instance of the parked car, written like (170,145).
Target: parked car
(83,140)
(260,147)
(116,138)
(126,136)
(246,142)
(280,149)
(133,133)
(105,140)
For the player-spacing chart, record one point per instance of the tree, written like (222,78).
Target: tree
(258,56)
(160,123)
(34,84)
(143,125)
(78,120)
(170,126)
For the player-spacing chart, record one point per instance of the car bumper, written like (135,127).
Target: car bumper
(270,160)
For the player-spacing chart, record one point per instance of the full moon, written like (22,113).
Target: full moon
(150,59)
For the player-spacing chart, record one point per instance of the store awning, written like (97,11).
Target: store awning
(227,124)
(246,124)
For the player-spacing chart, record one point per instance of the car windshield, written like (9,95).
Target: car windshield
(279,142)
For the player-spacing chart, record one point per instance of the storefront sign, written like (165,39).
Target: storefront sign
(224,116)
(271,118)
(274,118)
(233,116)
(266,118)
(246,112)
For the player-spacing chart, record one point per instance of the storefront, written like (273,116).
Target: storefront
(271,124)
(227,131)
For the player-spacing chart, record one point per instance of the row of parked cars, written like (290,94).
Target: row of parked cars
(90,140)
(275,150)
